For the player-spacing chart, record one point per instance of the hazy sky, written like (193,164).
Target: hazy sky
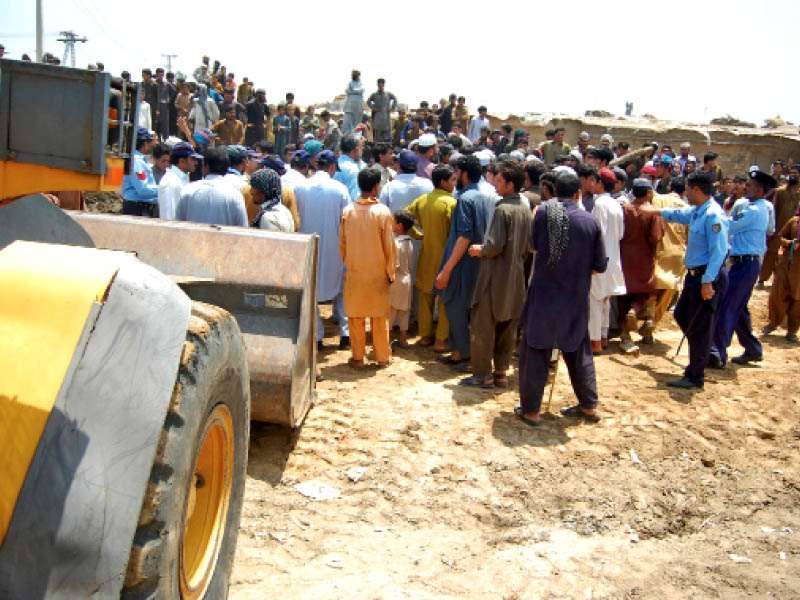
(680,60)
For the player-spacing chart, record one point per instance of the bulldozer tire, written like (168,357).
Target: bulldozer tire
(186,534)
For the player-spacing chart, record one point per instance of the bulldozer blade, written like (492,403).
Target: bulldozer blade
(267,280)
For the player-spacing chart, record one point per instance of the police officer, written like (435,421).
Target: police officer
(139,188)
(748,231)
(705,283)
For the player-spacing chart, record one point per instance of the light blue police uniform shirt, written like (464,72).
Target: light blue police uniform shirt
(140,186)
(708,235)
(748,229)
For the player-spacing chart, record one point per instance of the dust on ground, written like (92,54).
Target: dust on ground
(672,495)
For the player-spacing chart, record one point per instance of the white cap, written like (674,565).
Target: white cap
(426,140)
(686,145)
(565,169)
(518,154)
(607,136)
(584,135)
(485,156)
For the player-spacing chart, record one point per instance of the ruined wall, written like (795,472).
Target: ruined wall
(738,148)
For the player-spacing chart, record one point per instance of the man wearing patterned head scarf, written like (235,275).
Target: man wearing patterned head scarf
(265,190)
(569,247)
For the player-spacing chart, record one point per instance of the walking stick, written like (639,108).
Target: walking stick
(553,383)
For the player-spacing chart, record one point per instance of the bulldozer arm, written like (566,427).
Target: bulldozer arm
(267,280)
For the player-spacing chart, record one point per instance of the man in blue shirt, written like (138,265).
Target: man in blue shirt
(458,271)
(748,233)
(350,165)
(139,188)
(697,309)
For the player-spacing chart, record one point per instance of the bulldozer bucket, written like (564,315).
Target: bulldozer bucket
(267,280)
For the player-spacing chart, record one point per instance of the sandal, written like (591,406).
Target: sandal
(384,364)
(523,418)
(463,366)
(577,411)
(356,364)
(479,382)
(448,359)
(500,381)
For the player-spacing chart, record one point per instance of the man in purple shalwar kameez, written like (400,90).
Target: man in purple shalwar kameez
(569,248)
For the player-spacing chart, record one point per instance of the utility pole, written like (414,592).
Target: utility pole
(69,38)
(38,30)
(169,58)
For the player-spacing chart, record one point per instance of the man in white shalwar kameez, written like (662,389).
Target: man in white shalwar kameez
(320,202)
(612,282)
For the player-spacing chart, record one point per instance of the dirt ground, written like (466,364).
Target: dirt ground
(672,495)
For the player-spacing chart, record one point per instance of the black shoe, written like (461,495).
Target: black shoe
(715,362)
(320,346)
(685,383)
(344,342)
(746,359)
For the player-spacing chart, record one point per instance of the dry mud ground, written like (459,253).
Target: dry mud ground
(672,495)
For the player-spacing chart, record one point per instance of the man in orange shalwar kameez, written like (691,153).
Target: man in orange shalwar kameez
(366,243)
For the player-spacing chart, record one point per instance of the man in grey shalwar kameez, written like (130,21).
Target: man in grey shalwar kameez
(382,103)
(354,103)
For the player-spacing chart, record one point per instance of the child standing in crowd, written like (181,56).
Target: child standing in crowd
(401,291)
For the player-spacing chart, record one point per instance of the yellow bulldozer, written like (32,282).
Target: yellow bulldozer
(133,354)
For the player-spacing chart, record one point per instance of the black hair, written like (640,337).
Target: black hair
(513,173)
(368,178)
(567,184)
(703,180)
(548,180)
(621,174)
(160,150)
(640,191)
(549,133)
(677,185)
(471,165)
(141,142)
(441,173)
(380,149)
(348,143)
(455,141)
(265,147)
(159,70)
(557,129)
(324,114)
(624,145)
(709,156)
(608,185)
(175,158)
(298,162)
(740,179)
(482,107)
(147,71)
(381,80)
(604,154)
(404,218)
(507,127)
(586,170)
(217,161)
(534,170)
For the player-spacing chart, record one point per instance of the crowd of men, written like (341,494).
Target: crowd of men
(492,245)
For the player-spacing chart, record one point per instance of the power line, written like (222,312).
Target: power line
(70,38)
(169,58)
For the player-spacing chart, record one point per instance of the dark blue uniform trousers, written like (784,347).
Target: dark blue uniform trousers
(697,318)
(733,313)
(534,365)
